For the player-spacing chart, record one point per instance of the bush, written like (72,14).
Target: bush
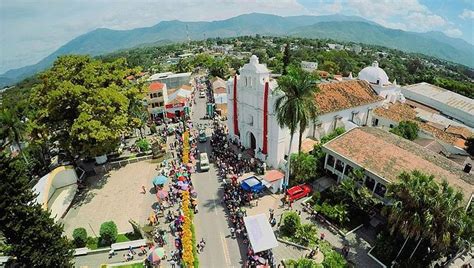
(108,233)
(336,213)
(153,129)
(303,167)
(291,223)
(307,234)
(406,129)
(80,237)
(143,145)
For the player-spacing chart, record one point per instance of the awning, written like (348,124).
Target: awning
(252,184)
(273,175)
(260,233)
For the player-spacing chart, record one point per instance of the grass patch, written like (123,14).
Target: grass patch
(93,243)
(134,265)
(127,237)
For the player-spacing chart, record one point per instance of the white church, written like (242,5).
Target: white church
(348,104)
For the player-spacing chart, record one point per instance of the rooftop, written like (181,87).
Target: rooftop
(336,96)
(387,155)
(443,95)
(155,86)
(403,112)
(167,75)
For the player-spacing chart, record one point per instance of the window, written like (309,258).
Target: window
(160,94)
(376,122)
(369,183)
(161,103)
(348,170)
(380,190)
(339,165)
(330,161)
(391,126)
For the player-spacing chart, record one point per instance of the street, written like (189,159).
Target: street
(211,222)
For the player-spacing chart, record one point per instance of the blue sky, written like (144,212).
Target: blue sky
(32,29)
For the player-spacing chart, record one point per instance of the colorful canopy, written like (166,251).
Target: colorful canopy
(156,254)
(158,180)
(161,194)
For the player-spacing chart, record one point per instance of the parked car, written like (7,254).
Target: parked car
(203,162)
(299,191)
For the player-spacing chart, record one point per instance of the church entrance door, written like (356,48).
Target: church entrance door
(253,141)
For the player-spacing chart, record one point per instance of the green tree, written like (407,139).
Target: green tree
(422,209)
(219,67)
(32,236)
(143,145)
(286,58)
(80,237)
(11,129)
(108,233)
(291,223)
(303,167)
(83,104)
(406,129)
(295,102)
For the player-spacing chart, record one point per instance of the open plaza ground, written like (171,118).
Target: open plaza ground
(115,196)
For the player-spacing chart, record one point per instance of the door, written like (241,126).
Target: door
(253,141)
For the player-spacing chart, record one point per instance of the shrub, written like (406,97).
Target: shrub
(306,234)
(80,237)
(143,145)
(406,129)
(153,129)
(108,233)
(336,213)
(303,167)
(291,223)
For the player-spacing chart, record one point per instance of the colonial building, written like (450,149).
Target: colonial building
(171,80)
(384,155)
(157,97)
(252,117)
(219,90)
(378,79)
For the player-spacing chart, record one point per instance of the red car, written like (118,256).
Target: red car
(299,191)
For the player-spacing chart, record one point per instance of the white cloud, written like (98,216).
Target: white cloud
(453,32)
(467,14)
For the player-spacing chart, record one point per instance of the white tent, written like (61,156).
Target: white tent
(260,233)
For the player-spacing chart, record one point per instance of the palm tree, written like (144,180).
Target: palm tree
(11,129)
(426,210)
(296,107)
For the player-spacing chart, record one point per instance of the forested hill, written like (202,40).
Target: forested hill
(337,27)
(433,43)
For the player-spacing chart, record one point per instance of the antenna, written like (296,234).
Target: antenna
(187,34)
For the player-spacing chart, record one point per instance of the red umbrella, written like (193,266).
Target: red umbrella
(161,194)
(181,178)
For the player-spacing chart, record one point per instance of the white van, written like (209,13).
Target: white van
(203,162)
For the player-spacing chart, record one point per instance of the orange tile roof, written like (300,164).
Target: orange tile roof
(186,87)
(387,155)
(403,112)
(177,100)
(460,131)
(155,86)
(273,175)
(338,96)
(308,145)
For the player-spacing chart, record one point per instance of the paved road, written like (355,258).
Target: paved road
(211,222)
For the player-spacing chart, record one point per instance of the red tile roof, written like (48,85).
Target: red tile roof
(461,132)
(273,175)
(338,96)
(387,155)
(156,86)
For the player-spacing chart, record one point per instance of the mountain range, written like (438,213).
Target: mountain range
(337,27)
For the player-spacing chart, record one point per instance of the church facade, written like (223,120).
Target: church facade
(252,116)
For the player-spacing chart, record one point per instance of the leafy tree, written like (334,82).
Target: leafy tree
(11,129)
(286,58)
(306,234)
(83,104)
(406,129)
(32,236)
(80,237)
(143,145)
(337,212)
(304,167)
(219,68)
(291,223)
(108,233)
(349,192)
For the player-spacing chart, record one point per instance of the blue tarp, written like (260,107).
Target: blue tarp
(252,184)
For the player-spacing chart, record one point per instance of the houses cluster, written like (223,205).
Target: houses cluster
(366,107)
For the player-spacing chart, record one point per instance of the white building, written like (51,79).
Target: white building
(378,79)
(219,90)
(309,66)
(451,104)
(171,80)
(252,119)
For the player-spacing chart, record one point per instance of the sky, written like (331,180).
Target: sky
(32,29)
